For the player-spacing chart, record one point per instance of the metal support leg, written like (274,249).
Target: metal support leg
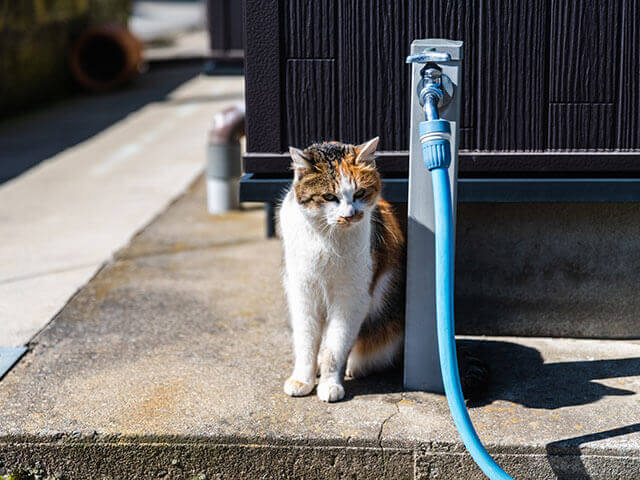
(270,210)
(421,363)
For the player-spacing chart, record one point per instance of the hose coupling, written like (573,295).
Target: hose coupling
(435,136)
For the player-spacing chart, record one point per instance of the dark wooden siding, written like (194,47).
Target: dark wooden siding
(309,29)
(628,97)
(540,76)
(310,94)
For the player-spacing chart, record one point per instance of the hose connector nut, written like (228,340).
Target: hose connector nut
(435,136)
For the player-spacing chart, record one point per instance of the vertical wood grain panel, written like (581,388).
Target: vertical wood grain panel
(372,76)
(584,50)
(310,102)
(467,138)
(374,38)
(582,126)
(510,90)
(629,90)
(309,28)
(538,74)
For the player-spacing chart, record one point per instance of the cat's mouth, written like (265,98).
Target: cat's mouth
(347,221)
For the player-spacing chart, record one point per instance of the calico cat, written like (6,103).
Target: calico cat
(344,255)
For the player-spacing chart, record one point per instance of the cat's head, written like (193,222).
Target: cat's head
(336,183)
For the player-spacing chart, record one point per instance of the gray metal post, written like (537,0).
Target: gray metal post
(421,361)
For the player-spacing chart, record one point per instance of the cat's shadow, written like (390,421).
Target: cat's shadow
(387,381)
(518,374)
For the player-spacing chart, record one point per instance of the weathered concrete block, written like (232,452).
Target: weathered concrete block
(567,270)
(193,461)
(445,466)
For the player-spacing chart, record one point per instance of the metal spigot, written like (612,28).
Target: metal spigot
(436,89)
(429,56)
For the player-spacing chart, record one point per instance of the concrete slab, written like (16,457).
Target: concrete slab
(170,364)
(63,218)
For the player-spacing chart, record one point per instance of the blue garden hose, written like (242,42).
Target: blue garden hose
(436,152)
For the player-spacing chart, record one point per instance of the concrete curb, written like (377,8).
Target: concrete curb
(207,458)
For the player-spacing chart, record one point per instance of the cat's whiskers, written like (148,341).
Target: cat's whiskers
(381,223)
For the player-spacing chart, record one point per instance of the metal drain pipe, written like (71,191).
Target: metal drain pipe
(224,167)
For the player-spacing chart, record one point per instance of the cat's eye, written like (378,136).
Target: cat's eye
(359,194)
(330,197)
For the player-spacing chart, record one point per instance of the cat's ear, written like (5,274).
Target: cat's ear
(365,152)
(299,160)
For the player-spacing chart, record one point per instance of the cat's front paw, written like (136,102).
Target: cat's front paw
(297,388)
(330,392)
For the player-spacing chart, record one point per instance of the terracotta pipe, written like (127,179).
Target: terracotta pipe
(105,57)
(224,167)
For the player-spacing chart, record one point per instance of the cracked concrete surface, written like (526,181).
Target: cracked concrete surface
(170,364)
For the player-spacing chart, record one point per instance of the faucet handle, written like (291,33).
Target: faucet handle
(426,57)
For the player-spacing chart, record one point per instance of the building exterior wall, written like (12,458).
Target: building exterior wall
(548,86)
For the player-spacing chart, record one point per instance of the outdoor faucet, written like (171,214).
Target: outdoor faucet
(435,90)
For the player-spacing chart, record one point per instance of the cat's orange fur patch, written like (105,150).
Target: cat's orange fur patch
(371,341)
(297,384)
(389,253)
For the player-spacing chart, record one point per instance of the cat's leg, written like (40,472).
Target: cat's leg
(361,362)
(344,323)
(306,323)
(379,345)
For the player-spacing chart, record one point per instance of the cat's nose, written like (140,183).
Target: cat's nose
(348,212)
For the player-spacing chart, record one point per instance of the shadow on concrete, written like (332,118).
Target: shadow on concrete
(564,455)
(29,139)
(387,381)
(474,375)
(519,375)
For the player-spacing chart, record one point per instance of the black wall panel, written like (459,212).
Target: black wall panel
(510,92)
(310,101)
(540,77)
(372,77)
(309,29)
(263,94)
(581,126)
(584,51)
(629,89)
(457,20)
